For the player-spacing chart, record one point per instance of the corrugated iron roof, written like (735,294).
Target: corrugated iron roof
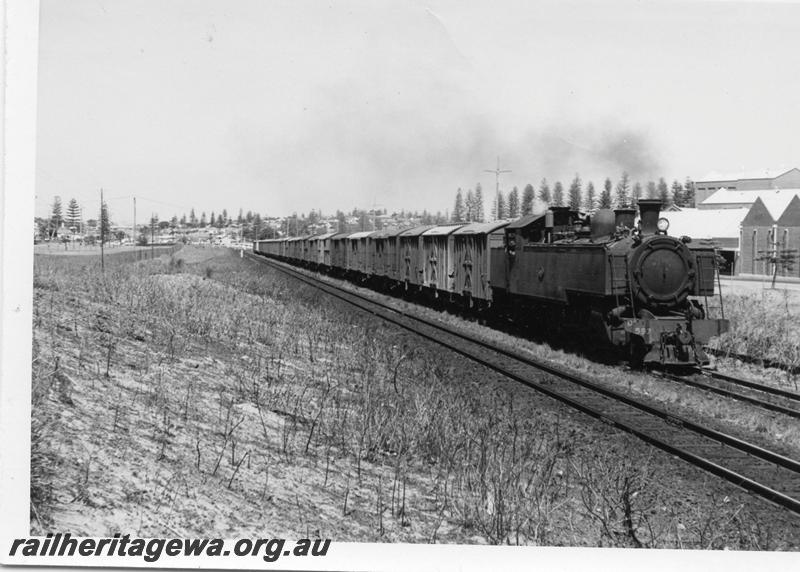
(360,234)
(715,176)
(442,230)
(776,200)
(706,223)
(481,227)
(416,231)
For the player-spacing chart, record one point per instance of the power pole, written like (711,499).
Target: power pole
(102,233)
(152,235)
(497,172)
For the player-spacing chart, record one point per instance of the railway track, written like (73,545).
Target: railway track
(765,362)
(761,395)
(761,472)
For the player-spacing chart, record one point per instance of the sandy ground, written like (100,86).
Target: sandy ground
(169,443)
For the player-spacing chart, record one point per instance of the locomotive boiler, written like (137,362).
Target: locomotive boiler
(631,283)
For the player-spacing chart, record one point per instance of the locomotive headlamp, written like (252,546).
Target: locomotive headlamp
(662,225)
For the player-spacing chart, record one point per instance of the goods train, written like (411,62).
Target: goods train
(619,280)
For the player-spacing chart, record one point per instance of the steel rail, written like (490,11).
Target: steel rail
(731,394)
(730,475)
(752,384)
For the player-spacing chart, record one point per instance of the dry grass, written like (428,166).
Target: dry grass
(764,325)
(207,396)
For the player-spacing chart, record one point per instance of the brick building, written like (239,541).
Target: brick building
(745,182)
(771,227)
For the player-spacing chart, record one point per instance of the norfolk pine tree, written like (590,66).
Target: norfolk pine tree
(479,216)
(458,208)
(469,206)
(558,194)
(527,200)
(663,191)
(677,194)
(56,218)
(544,193)
(589,199)
(623,191)
(636,193)
(513,203)
(73,217)
(575,193)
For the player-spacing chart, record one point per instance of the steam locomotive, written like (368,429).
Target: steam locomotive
(628,284)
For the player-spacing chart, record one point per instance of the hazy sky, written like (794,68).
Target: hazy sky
(287,106)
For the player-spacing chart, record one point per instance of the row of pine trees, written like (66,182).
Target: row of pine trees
(469,206)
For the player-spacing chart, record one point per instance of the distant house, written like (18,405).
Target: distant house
(752,181)
(770,227)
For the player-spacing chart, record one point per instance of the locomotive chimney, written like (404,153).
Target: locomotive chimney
(624,217)
(649,209)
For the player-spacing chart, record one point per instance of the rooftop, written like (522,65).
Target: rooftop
(708,223)
(744,174)
(776,200)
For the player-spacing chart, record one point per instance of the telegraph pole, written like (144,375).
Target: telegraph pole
(497,172)
(102,232)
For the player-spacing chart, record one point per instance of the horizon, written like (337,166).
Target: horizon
(284,107)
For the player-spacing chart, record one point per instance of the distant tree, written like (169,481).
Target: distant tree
(688,193)
(663,192)
(240,218)
(558,194)
(650,190)
(341,220)
(192,219)
(183,220)
(575,193)
(589,199)
(513,203)
(469,206)
(544,193)
(623,191)
(173,222)
(636,193)
(225,220)
(56,217)
(459,211)
(213,220)
(605,196)
(478,203)
(249,217)
(203,220)
(42,227)
(677,193)
(73,216)
(528,195)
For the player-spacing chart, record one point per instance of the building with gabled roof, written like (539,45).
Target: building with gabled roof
(745,181)
(770,227)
